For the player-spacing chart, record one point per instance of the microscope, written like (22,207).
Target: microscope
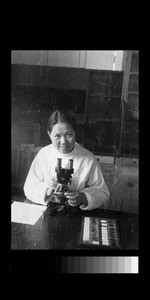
(64,179)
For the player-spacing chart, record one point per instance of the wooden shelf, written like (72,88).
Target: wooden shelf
(132,92)
(104,95)
(134,73)
(94,120)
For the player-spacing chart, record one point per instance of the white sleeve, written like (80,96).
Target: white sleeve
(35,187)
(96,192)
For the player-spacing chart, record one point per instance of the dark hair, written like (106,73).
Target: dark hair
(59,116)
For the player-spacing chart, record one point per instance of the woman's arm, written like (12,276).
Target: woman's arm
(96,192)
(35,188)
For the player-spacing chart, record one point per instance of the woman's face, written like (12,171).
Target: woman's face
(62,137)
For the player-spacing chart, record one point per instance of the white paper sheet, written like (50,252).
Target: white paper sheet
(26,213)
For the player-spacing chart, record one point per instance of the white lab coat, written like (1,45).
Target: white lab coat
(87,176)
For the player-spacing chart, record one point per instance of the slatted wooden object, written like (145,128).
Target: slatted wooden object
(21,159)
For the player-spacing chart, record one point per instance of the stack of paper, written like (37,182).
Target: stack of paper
(26,213)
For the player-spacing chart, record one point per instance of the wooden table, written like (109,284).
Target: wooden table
(63,230)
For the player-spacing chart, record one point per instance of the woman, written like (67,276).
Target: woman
(87,190)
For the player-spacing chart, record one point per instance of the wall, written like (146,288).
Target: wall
(100,60)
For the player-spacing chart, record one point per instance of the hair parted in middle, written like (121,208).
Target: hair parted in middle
(60,116)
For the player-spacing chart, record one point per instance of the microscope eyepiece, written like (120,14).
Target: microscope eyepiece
(58,163)
(70,164)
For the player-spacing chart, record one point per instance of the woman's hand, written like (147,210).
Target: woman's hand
(76,198)
(50,191)
(50,197)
